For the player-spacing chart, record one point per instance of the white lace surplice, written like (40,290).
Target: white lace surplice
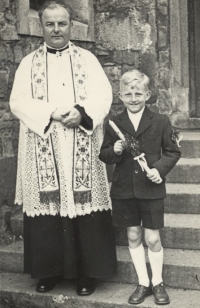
(35,115)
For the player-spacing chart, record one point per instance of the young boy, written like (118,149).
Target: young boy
(137,197)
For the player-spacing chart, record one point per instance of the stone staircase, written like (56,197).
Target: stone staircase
(181,240)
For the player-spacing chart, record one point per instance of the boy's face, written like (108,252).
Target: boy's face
(134,96)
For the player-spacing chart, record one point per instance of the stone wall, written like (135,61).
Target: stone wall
(128,34)
(135,34)
(12,49)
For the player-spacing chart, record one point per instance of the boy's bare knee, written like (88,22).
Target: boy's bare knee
(134,234)
(152,239)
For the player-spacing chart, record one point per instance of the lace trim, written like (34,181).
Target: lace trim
(27,189)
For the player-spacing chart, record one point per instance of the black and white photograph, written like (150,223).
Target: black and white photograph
(99,153)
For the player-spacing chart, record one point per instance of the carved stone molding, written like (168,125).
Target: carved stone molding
(185,106)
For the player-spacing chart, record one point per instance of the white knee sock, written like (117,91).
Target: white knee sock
(156,262)
(138,257)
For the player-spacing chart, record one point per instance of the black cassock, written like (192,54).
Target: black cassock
(60,246)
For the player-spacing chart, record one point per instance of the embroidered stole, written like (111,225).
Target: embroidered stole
(48,176)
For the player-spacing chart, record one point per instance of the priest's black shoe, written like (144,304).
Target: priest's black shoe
(85,286)
(139,294)
(46,284)
(160,295)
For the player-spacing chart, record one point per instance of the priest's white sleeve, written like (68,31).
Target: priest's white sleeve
(35,114)
(99,92)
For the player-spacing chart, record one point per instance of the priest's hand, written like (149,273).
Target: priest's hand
(73,119)
(60,113)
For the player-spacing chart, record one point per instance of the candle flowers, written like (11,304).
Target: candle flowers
(132,145)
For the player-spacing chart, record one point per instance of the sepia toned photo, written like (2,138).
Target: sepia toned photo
(99,153)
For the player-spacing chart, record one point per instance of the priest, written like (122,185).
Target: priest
(61,96)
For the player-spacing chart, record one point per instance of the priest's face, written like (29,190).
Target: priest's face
(56,26)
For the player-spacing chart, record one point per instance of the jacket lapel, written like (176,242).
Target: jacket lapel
(145,121)
(124,122)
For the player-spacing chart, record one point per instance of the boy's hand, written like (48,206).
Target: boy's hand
(119,147)
(154,176)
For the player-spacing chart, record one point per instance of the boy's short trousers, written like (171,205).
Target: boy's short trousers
(131,212)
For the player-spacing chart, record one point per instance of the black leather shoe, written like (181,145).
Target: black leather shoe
(139,294)
(46,284)
(160,295)
(85,286)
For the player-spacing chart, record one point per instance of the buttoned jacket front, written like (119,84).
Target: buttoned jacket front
(155,141)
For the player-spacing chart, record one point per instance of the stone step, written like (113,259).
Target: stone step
(12,257)
(182,198)
(187,170)
(182,231)
(190,144)
(18,290)
(181,267)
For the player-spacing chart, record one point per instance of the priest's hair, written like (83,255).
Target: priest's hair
(52,4)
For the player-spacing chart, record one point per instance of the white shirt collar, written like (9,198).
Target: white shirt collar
(56,48)
(135,117)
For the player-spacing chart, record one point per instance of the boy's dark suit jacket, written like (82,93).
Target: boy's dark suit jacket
(155,138)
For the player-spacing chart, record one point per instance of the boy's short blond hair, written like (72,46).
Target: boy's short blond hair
(134,75)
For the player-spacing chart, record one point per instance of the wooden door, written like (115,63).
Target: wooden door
(194,56)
